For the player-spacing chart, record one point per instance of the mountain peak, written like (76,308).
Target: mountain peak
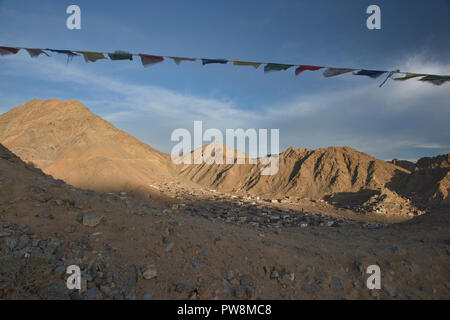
(65,139)
(55,104)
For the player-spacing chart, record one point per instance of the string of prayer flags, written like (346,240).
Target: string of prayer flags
(331,72)
(149,60)
(8,50)
(370,73)
(302,68)
(246,63)
(34,53)
(69,53)
(208,61)
(178,60)
(436,79)
(120,55)
(409,75)
(276,67)
(90,56)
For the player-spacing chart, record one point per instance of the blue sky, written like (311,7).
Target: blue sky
(405,120)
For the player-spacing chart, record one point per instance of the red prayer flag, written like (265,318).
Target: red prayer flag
(148,60)
(300,69)
(8,50)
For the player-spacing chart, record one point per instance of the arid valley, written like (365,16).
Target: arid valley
(75,190)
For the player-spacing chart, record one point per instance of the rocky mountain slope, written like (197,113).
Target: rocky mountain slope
(302,173)
(131,249)
(67,141)
(332,172)
(429,183)
(405,164)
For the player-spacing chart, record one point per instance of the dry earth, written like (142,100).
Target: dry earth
(182,238)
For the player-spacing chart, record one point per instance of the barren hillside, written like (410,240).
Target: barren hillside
(302,173)
(429,183)
(67,141)
(202,249)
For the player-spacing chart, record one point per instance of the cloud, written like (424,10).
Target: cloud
(147,106)
(433,146)
(386,122)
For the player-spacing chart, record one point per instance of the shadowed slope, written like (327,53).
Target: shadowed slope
(429,183)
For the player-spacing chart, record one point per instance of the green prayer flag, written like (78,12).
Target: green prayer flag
(276,67)
(120,55)
(435,79)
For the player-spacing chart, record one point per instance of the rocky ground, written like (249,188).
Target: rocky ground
(202,244)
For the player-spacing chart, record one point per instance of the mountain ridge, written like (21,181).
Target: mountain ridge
(66,140)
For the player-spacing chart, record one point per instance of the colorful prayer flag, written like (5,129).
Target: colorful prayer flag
(120,55)
(208,61)
(331,72)
(178,60)
(246,63)
(8,50)
(370,73)
(435,79)
(302,68)
(148,60)
(36,52)
(276,67)
(90,56)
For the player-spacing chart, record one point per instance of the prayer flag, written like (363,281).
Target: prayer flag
(148,60)
(300,69)
(69,53)
(370,73)
(276,67)
(246,63)
(178,60)
(90,56)
(435,79)
(409,75)
(331,72)
(36,52)
(120,55)
(208,61)
(8,50)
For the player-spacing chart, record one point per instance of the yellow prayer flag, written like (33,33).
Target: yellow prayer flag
(409,75)
(246,63)
(90,56)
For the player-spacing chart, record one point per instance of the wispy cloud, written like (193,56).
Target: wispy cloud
(433,146)
(148,106)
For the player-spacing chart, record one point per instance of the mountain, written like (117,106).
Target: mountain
(429,183)
(405,164)
(67,141)
(302,173)
(146,251)
(441,161)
